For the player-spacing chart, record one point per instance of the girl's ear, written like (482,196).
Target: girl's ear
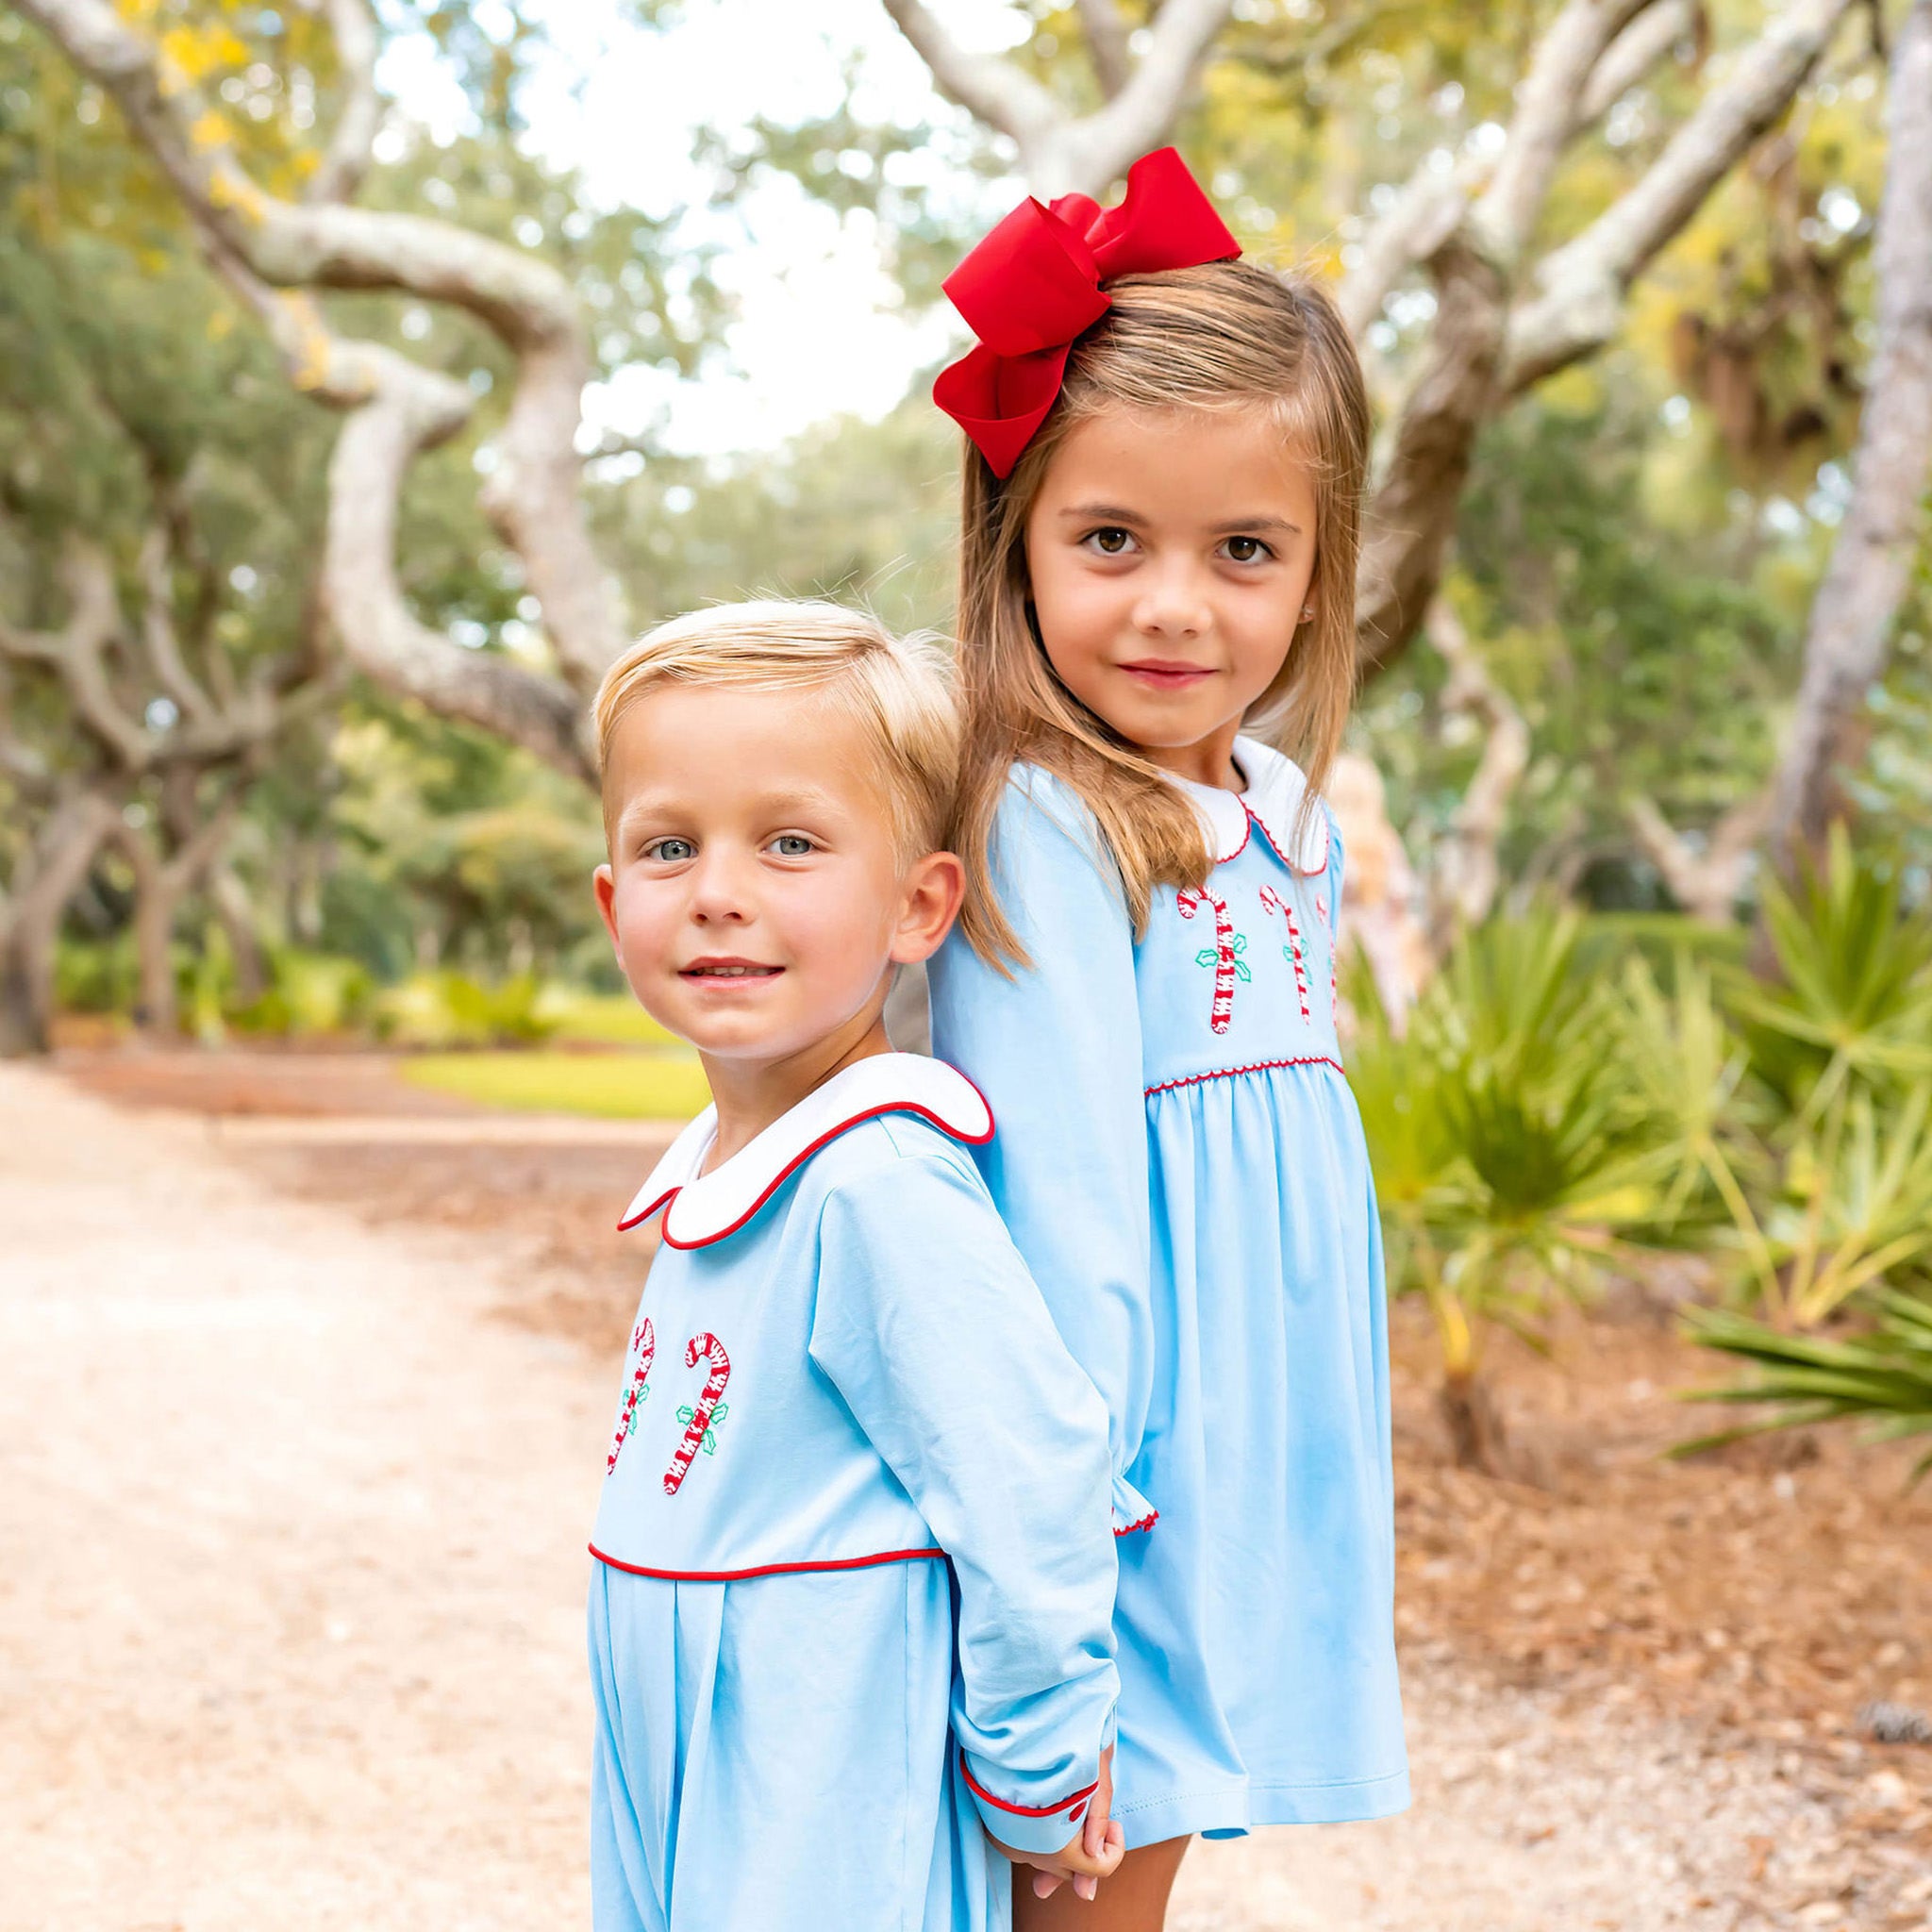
(930,901)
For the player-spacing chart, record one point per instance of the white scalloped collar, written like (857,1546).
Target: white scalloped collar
(705,1208)
(1272,801)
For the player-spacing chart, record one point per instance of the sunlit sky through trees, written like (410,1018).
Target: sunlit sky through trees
(816,333)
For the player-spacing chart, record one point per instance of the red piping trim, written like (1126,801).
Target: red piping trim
(766,1569)
(631,1221)
(1307,1059)
(1300,872)
(798,1160)
(980,1790)
(1148,1522)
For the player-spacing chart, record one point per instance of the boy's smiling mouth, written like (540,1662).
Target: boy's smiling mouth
(728,968)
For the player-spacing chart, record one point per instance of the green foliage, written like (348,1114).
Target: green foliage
(1852,1003)
(435,1009)
(308,994)
(1507,1151)
(1883,1376)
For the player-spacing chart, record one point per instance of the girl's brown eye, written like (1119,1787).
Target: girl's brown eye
(1245,549)
(1109,543)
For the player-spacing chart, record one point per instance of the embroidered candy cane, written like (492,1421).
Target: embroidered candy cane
(1272,901)
(645,1345)
(698,1349)
(1190,902)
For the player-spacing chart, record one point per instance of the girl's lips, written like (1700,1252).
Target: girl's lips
(1165,674)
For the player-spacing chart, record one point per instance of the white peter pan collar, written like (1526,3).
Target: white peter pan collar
(705,1208)
(1273,802)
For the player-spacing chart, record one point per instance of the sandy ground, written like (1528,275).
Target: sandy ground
(291,1562)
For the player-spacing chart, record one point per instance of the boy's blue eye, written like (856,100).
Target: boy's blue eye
(792,845)
(1246,549)
(671,851)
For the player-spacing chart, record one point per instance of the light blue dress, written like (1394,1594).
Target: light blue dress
(1182,1165)
(856,1492)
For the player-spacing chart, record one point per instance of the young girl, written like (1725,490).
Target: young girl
(1161,537)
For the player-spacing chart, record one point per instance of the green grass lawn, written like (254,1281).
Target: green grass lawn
(615,1085)
(604,1019)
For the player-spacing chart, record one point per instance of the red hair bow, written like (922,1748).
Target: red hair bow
(1034,285)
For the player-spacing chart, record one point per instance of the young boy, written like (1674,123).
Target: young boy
(857,1487)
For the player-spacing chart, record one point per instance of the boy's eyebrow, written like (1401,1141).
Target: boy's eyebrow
(1116,513)
(804,798)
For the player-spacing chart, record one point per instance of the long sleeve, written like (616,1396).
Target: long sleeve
(1057,1051)
(933,1333)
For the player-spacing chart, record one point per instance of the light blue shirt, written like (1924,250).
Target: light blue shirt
(841,1385)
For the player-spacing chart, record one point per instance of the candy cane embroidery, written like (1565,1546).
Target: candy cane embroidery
(1224,954)
(1272,901)
(707,1410)
(644,1347)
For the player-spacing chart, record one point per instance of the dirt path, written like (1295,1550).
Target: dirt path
(291,1567)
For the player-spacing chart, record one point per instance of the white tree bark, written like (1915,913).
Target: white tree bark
(1706,883)
(1486,344)
(1857,604)
(396,407)
(1465,871)
(1060,152)
(65,843)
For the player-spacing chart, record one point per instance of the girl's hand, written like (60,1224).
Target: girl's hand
(1094,1853)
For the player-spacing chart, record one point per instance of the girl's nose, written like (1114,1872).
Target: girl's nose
(1172,603)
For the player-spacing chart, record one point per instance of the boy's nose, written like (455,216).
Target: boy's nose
(719,893)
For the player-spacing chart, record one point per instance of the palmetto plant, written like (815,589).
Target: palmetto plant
(1885,1377)
(1850,1003)
(1506,1152)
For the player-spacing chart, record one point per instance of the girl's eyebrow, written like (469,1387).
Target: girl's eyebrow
(1114,514)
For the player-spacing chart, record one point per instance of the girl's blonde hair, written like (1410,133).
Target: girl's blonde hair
(1231,335)
(899,690)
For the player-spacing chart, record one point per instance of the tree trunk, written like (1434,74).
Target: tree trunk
(1477,1440)
(236,912)
(1871,564)
(71,836)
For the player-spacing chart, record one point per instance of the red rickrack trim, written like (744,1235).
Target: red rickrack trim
(1247,833)
(765,1569)
(1148,1522)
(1305,1060)
(980,1790)
(1307,873)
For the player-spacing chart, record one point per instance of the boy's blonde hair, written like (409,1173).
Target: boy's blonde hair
(899,690)
(1231,335)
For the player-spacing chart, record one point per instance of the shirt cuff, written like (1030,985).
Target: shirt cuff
(1043,1827)
(1131,1510)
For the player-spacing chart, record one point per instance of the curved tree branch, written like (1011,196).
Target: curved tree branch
(1107,42)
(1583,284)
(353,27)
(1060,151)
(533,497)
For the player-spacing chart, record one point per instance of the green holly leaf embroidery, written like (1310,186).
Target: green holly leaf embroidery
(709,1441)
(1241,971)
(1204,957)
(1241,942)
